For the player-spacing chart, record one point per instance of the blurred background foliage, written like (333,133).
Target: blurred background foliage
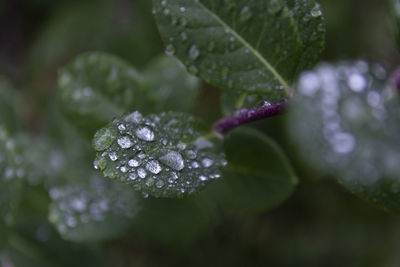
(320,225)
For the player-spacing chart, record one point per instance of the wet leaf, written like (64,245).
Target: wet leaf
(95,209)
(162,155)
(248,46)
(170,86)
(345,122)
(310,24)
(96,87)
(258,176)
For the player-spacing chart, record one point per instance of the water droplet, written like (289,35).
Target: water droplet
(134,117)
(159,184)
(194,52)
(132,176)
(123,169)
(142,173)
(121,127)
(193,69)
(182,9)
(195,164)
(153,166)
(113,156)
(173,160)
(203,178)
(343,143)
(169,50)
(145,134)
(316,11)
(190,154)
(184,36)
(245,13)
(309,83)
(357,82)
(96,164)
(207,162)
(145,195)
(104,138)
(125,142)
(133,163)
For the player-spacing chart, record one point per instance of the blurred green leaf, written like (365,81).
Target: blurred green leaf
(73,28)
(345,121)
(174,221)
(170,86)
(94,209)
(248,46)
(258,176)
(163,155)
(96,87)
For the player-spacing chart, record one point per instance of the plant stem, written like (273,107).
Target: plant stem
(244,116)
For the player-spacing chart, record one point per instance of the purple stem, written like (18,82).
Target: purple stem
(244,116)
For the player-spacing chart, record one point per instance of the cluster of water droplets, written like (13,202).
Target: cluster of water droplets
(343,118)
(76,205)
(11,158)
(162,155)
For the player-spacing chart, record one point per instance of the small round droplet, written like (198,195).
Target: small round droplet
(153,167)
(207,162)
(145,134)
(142,173)
(125,142)
(133,163)
(194,52)
(173,160)
(113,156)
(159,184)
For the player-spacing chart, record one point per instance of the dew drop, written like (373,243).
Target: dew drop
(357,82)
(194,52)
(190,154)
(125,142)
(113,156)
(123,169)
(142,173)
(203,178)
(132,176)
(207,162)
(182,9)
(159,184)
(173,160)
(133,163)
(169,50)
(153,166)
(104,138)
(245,14)
(121,127)
(145,134)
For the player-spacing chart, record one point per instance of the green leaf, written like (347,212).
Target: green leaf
(95,209)
(162,155)
(311,26)
(345,120)
(96,87)
(258,176)
(170,86)
(174,221)
(249,46)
